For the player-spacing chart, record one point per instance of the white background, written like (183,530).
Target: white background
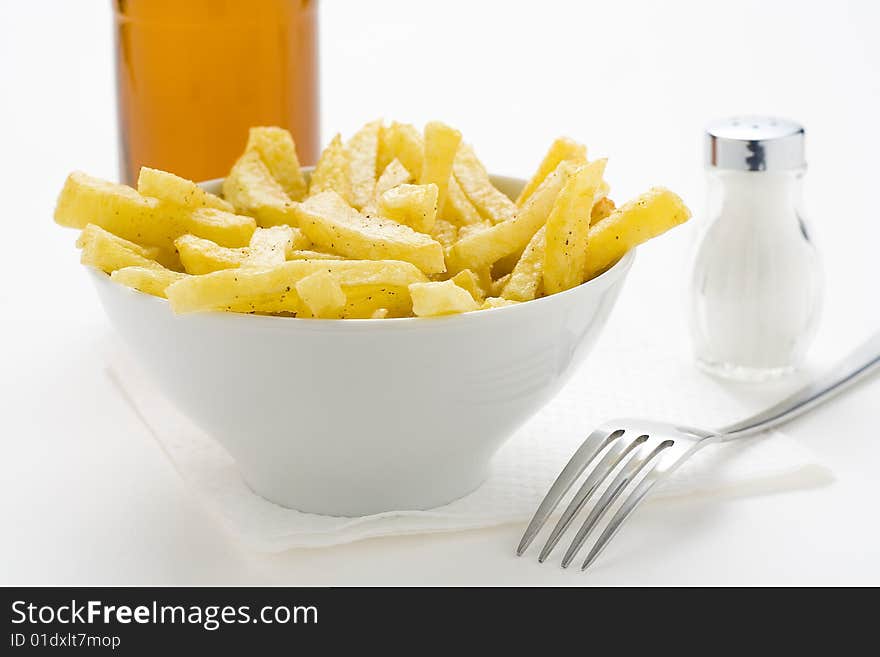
(88,498)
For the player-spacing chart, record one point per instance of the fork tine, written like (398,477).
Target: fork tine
(635,498)
(599,473)
(623,478)
(590,448)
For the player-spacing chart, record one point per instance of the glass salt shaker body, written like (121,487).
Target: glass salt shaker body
(756,287)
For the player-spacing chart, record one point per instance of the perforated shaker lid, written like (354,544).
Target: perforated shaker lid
(755,143)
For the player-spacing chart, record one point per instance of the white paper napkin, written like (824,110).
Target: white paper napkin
(636,369)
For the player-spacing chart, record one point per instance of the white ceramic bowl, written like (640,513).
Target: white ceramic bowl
(354,417)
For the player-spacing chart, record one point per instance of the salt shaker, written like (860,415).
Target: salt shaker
(756,287)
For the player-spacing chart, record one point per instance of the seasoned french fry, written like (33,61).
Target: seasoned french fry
(497,286)
(524,282)
(362,149)
(201,256)
(468,280)
(108,252)
(269,246)
(322,294)
(365,301)
(276,148)
(497,302)
(147,279)
(306,254)
(441,144)
(403,142)
(560,150)
(273,289)
(646,216)
(251,188)
(440,298)
(412,205)
(124,212)
(568,228)
(445,233)
(180,191)
(602,208)
(333,171)
(332,224)
(458,208)
(483,247)
(394,174)
(474,181)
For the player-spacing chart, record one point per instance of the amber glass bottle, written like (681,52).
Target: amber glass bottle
(193,76)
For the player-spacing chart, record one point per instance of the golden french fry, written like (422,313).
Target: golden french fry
(147,279)
(365,301)
(251,188)
(394,174)
(180,191)
(412,205)
(362,149)
(440,298)
(441,144)
(108,252)
(481,248)
(276,148)
(269,246)
(473,178)
(322,294)
(646,216)
(201,256)
(333,171)
(403,142)
(445,233)
(458,208)
(602,208)
(524,282)
(497,286)
(306,254)
(273,289)
(332,224)
(468,280)
(560,150)
(122,211)
(497,302)
(568,228)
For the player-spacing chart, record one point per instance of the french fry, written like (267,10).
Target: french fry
(645,217)
(497,302)
(379,313)
(560,150)
(306,254)
(180,191)
(365,301)
(251,188)
(201,256)
(269,246)
(441,144)
(124,212)
(273,289)
(362,149)
(524,282)
(458,208)
(602,208)
(394,174)
(331,224)
(474,181)
(468,280)
(333,171)
(445,233)
(440,298)
(481,248)
(276,148)
(108,252)
(412,205)
(403,142)
(497,286)
(322,294)
(147,279)
(568,229)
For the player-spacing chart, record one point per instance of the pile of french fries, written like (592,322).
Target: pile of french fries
(392,223)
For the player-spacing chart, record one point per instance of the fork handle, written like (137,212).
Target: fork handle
(854,367)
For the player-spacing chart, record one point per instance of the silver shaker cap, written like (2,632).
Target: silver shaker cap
(755,143)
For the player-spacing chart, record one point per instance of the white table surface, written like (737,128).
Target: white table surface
(86,497)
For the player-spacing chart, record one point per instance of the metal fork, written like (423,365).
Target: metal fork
(647,452)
